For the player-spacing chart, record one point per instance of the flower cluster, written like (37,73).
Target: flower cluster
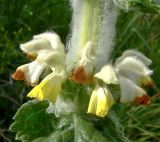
(130,71)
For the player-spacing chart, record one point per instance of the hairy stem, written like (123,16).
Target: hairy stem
(94,21)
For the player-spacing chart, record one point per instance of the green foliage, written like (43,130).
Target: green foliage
(20,20)
(150,6)
(34,123)
(142,123)
(146,6)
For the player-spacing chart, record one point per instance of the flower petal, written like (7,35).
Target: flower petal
(55,58)
(102,105)
(135,54)
(29,72)
(134,65)
(104,102)
(53,39)
(36,45)
(43,42)
(130,91)
(100,102)
(137,77)
(48,89)
(93,103)
(107,74)
(88,51)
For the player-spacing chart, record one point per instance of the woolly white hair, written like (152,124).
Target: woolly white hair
(73,48)
(107,34)
(86,22)
(104,24)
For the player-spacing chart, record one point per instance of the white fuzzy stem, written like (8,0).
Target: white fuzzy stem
(93,20)
(107,34)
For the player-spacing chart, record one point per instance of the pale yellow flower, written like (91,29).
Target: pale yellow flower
(48,52)
(101,99)
(132,69)
(100,102)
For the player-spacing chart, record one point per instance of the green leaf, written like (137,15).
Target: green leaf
(114,130)
(86,128)
(34,124)
(32,121)
(149,6)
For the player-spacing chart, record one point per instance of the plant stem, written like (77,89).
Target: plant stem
(94,21)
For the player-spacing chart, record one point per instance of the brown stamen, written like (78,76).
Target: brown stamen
(79,76)
(18,75)
(149,84)
(31,55)
(144,100)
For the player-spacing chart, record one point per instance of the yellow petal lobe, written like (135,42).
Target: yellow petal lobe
(48,89)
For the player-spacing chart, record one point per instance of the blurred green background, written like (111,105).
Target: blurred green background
(21,19)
